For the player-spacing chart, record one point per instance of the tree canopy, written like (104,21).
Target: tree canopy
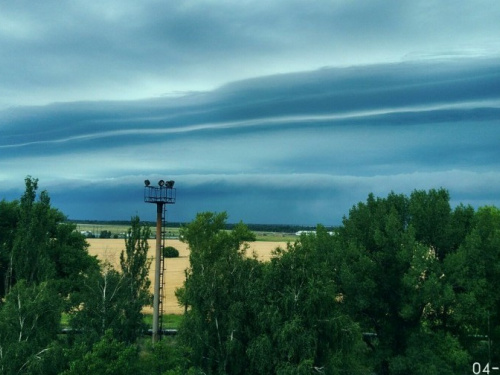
(249,317)
(45,272)
(406,285)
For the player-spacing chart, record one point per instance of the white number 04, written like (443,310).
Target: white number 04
(478,369)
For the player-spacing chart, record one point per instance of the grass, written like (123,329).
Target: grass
(170,321)
(65,320)
(275,237)
(174,232)
(118,230)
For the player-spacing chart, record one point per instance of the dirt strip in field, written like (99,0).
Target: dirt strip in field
(109,250)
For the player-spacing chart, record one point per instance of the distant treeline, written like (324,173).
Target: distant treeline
(277,228)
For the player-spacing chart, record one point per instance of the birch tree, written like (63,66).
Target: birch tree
(218,292)
(29,323)
(102,303)
(113,300)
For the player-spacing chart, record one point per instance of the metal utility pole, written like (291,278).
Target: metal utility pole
(162,195)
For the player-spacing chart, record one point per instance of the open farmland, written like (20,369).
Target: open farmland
(109,250)
(119,230)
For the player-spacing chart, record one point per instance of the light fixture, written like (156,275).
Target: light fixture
(147,182)
(161,183)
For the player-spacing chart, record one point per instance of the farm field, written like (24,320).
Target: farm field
(119,231)
(109,250)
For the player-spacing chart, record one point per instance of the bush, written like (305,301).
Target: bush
(170,252)
(105,234)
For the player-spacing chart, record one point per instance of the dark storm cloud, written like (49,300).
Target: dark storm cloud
(276,111)
(387,94)
(70,51)
(298,148)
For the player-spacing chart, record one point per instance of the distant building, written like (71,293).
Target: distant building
(300,232)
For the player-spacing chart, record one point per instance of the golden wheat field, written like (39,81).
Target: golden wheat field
(110,249)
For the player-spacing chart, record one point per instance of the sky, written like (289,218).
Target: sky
(277,112)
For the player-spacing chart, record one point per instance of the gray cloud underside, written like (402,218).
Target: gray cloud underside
(419,93)
(80,50)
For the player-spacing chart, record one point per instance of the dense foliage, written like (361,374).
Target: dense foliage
(45,272)
(170,252)
(249,317)
(406,285)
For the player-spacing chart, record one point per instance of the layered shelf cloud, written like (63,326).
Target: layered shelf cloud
(299,133)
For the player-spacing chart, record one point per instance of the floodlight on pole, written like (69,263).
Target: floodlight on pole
(161,195)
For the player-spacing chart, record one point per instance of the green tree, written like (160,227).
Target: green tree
(166,357)
(474,270)
(372,261)
(29,322)
(394,281)
(302,325)
(249,317)
(105,234)
(432,354)
(431,217)
(170,252)
(218,291)
(101,306)
(9,217)
(108,356)
(39,246)
(42,261)
(429,300)
(113,300)
(31,261)
(462,223)
(135,265)
(67,250)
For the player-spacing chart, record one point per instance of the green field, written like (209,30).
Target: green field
(170,321)
(119,231)
(275,237)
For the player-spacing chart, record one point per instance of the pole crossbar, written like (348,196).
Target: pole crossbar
(161,194)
